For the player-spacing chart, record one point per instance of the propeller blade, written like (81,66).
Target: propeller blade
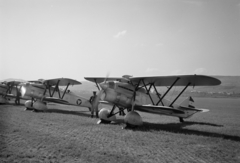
(133,100)
(106,77)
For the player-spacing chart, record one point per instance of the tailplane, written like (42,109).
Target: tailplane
(188,103)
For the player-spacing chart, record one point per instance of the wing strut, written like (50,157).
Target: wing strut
(97,84)
(55,88)
(111,113)
(168,90)
(158,94)
(180,94)
(148,90)
(10,86)
(45,89)
(65,90)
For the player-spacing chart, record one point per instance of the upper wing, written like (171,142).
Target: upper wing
(13,82)
(183,80)
(61,82)
(101,79)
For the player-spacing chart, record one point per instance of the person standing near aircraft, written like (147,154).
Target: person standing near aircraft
(91,100)
(17,101)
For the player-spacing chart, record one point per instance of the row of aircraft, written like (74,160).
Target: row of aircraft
(125,93)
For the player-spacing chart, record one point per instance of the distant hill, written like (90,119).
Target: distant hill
(229,84)
(85,89)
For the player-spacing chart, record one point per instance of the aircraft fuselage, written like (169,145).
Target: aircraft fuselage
(39,91)
(121,94)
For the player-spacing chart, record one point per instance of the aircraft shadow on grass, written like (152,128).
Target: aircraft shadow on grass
(179,128)
(169,127)
(79,113)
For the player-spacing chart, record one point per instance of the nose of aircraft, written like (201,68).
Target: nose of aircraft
(103,85)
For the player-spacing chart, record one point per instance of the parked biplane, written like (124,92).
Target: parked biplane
(134,93)
(51,91)
(11,90)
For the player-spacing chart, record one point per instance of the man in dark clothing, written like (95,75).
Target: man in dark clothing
(17,101)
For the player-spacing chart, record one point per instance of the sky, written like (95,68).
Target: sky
(85,38)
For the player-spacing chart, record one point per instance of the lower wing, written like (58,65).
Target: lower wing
(55,100)
(14,96)
(195,109)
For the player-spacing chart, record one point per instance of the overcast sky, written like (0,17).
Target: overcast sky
(76,38)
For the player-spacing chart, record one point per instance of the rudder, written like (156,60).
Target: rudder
(188,102)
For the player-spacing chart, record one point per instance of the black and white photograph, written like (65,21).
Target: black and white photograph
(120,81)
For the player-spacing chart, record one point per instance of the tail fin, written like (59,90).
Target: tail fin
(188,102)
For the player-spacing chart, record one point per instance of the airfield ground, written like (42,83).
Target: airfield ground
(67,134)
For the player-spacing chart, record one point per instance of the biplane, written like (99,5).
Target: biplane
(11,90)
(51,91)
(134,93)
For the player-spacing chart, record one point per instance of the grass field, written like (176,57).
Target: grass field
(67,134)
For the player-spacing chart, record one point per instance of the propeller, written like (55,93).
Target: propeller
(133,100)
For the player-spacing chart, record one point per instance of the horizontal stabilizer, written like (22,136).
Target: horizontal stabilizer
(203,110)
(194,109)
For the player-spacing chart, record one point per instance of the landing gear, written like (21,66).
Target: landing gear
(28,109)
(121,112)
(181,120)
(29,105)
(106,116)
(132,120)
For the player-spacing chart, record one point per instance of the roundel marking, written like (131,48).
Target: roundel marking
(79,102)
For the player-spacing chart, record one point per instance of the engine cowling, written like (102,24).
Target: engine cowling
(32,90)
(118,98)
(40,106)
(103,115)
(133,119)
(28,105)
